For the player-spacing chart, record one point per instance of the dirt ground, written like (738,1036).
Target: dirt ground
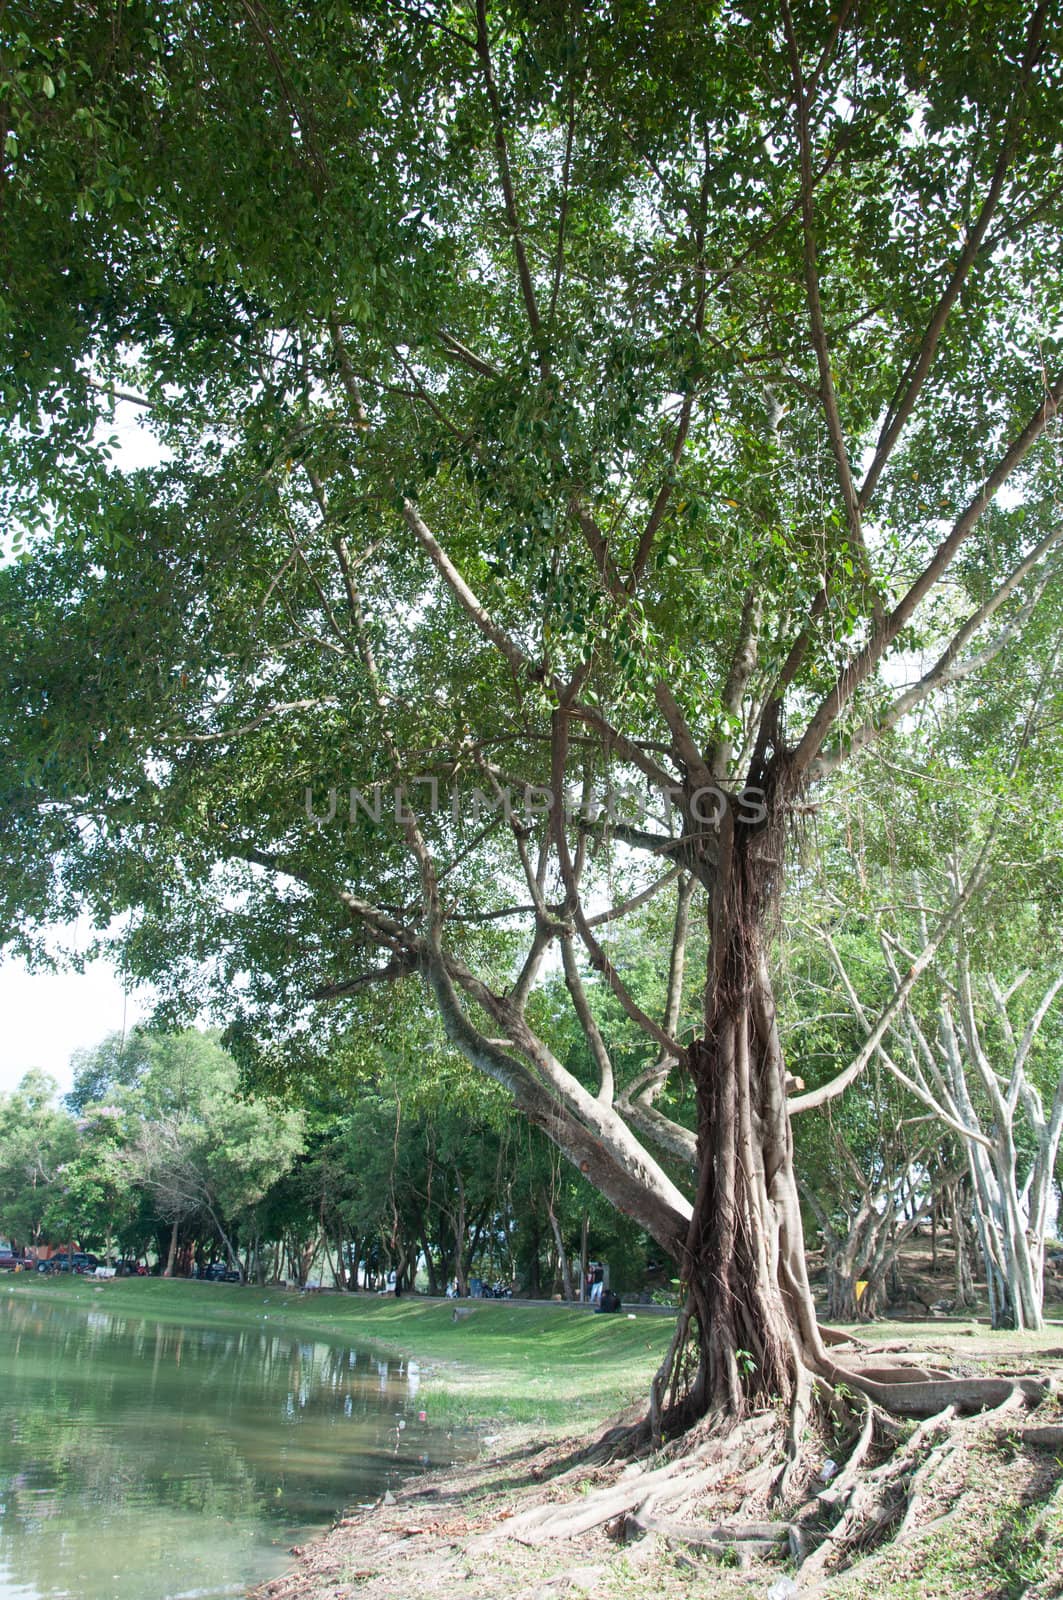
(987,1521)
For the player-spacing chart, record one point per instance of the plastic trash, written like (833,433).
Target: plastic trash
(827,1470)
(785,1589)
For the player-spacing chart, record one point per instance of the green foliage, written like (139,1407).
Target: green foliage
(189,208)
(36,1140)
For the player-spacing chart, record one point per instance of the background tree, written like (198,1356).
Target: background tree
(972,852)
(206,1153)
(36,1141)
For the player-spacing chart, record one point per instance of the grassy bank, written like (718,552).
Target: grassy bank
(497,1365)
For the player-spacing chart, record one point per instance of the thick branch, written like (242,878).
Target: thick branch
(461,591)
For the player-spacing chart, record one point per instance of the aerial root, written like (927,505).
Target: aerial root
(665,1373)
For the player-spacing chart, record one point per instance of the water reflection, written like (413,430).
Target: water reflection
(140,1461)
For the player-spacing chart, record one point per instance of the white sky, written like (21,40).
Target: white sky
(45,1017)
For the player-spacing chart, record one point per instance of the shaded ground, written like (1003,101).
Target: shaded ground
(987,1517)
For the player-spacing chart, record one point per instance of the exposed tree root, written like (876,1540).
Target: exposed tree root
(1045,1438)
(848,1475)
(646,1491)
(869,1503)
(739,1540)
(884,1484)
(922,1393)
(836,1336)
(794,1434)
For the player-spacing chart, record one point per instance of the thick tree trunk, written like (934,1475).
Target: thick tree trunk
(745,1262)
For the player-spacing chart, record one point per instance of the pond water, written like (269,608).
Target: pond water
(141,1461)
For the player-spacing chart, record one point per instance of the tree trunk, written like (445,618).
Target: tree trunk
(563,1265)
(961,1248)
(744,1260)
(458,1223)
(430,1265)
(171,1253)
(533,1288)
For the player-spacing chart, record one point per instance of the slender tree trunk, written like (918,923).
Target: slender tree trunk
(458,1221)
(933,1236)
(563,1264)
(961,1248)
(534,1287)
(171,1253)
(430,1266)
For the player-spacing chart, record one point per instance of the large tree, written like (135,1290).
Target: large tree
(552,400)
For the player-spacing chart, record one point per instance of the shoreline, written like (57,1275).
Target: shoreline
(539,1384)
(444,1534)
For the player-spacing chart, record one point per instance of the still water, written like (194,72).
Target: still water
(140,1461)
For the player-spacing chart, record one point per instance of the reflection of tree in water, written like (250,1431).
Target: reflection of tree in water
(223,1422)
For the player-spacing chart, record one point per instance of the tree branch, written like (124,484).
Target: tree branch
(920,364)
(827,393)
(947,669)
(527,286)
(864,662)
(897,1002)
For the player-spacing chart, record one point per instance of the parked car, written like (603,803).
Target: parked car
(218,1272)
(13,1262)
(81,1262)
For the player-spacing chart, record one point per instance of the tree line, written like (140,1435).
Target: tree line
(157,1153)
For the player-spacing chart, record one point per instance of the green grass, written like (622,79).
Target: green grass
(500,1365)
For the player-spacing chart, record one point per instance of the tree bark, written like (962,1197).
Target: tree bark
(171,1253)
(563,1265)
(744,1261)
